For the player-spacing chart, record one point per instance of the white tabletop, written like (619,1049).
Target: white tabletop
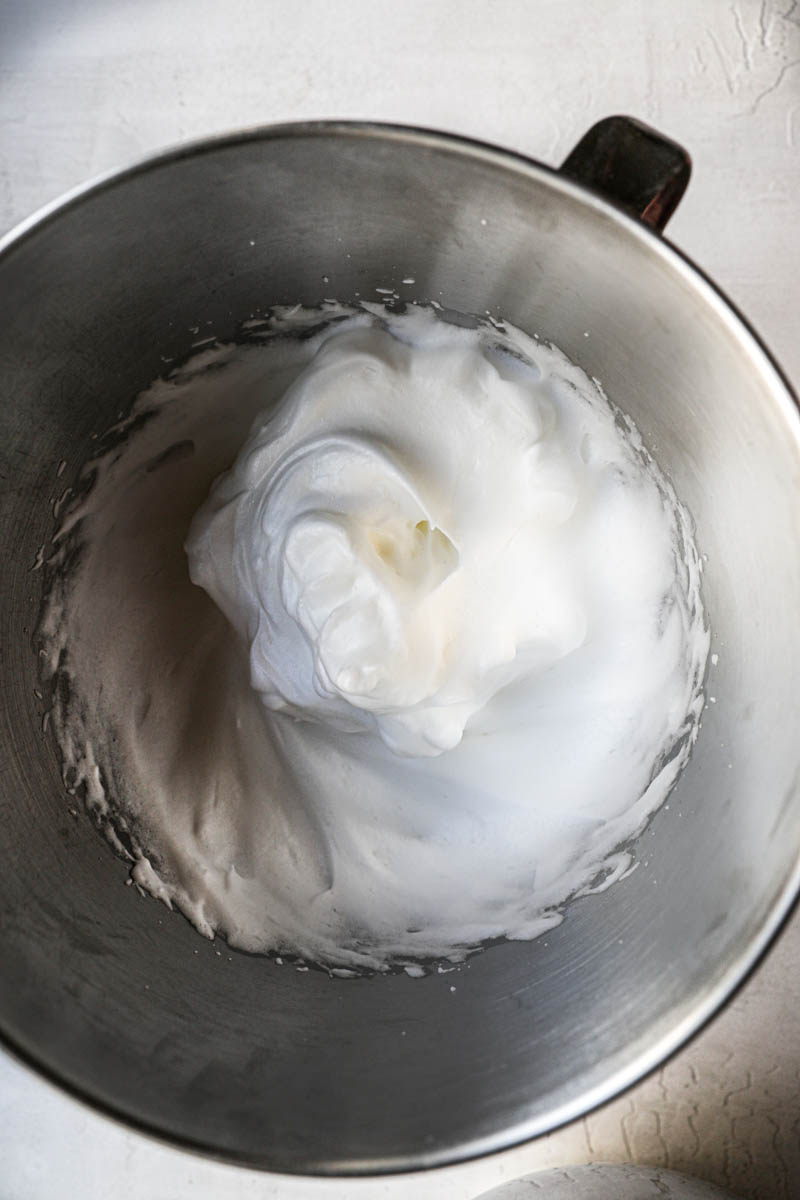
(88,85)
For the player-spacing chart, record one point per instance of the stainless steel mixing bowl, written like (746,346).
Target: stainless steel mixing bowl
(121,1001)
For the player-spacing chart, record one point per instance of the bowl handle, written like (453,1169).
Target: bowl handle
(632,165)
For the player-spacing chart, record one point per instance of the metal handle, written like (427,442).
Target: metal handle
(633,166)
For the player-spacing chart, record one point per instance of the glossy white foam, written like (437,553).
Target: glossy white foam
(468,604)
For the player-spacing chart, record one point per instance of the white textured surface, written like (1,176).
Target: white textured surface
(88,85)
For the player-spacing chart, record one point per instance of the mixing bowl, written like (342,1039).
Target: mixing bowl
(120,1000)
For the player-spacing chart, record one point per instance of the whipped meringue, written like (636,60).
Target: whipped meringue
(446,654)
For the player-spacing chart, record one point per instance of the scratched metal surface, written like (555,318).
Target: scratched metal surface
(87,86)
